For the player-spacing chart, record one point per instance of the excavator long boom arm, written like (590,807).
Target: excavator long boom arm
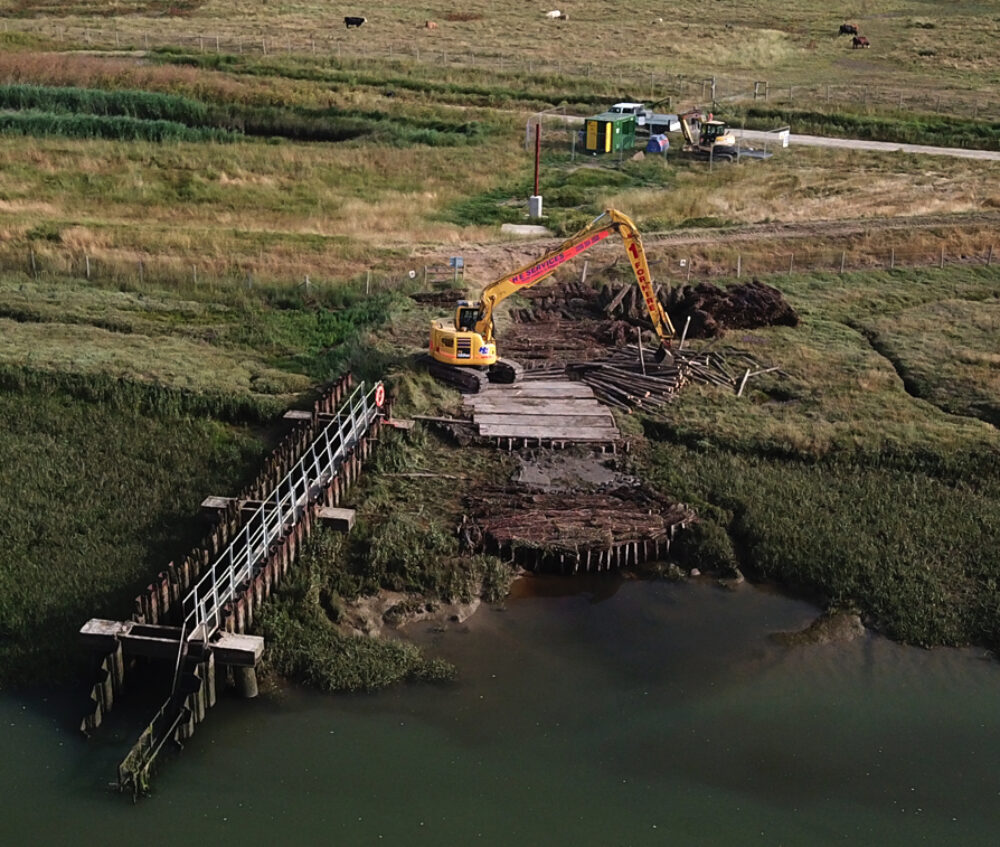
(611,221)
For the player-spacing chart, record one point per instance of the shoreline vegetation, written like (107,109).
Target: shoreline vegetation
(197,234)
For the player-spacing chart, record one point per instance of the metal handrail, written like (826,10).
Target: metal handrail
(276,515)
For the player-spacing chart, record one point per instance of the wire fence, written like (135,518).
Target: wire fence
(674,263)
(685,266)
(630,78)
(188,275)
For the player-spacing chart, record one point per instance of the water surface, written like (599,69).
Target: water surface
(587,712)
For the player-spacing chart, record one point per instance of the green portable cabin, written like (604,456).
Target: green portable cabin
(609,132)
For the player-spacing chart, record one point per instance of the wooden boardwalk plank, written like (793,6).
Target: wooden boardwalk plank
(549,410)
(598,420)
(554,433)
(541,390)
(529,404)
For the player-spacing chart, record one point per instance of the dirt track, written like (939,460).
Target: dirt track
(491,260)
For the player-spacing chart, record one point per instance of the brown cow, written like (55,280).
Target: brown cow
(859,41)
(430,25)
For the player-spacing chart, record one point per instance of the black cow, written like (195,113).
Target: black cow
(848,29)
(349,22)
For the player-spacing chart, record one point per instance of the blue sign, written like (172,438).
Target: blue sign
(456,262)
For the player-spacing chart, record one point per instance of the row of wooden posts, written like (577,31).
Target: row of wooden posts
(615,556)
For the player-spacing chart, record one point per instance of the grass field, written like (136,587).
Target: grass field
(908,37)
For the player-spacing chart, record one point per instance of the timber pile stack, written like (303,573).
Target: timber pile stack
(627,379)
(587,532)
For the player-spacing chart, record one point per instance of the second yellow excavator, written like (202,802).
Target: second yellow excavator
(463,351)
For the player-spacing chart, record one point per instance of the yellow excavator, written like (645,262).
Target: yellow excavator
(463,351)
(707,138)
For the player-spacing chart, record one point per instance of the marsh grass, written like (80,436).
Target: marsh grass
(836,479)
(299,624)
(405,540)
(97,498)
(914,552)
(948,353)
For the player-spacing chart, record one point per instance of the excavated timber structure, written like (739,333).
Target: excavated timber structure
(196,613)
(601,531)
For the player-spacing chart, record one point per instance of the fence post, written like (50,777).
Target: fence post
(689,270)
(368,282)
(34,269)
(989,257)
(941,263)
(892,259)
(739,264)
(583,274)
(194,273)
(843,260)
(791,262)
(140,272)
(86,261)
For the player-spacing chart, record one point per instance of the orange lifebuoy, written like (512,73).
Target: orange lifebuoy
(379,395)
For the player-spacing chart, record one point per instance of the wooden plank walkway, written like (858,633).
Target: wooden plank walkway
(548,412)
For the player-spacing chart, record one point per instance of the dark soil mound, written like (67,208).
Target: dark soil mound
(713,310)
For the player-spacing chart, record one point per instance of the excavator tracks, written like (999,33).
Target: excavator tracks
(505,372)
(470,380)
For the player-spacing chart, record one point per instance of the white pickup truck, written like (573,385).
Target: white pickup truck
(647,119)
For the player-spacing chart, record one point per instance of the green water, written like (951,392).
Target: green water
(598,713)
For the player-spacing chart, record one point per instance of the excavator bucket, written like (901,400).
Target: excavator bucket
(661,353)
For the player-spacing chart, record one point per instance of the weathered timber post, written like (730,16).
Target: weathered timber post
(246,681)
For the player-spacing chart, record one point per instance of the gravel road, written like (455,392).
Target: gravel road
(796,140)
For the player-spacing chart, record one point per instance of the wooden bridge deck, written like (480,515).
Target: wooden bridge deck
(542,411)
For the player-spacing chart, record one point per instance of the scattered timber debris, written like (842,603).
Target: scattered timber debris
(596,531)
(630,379)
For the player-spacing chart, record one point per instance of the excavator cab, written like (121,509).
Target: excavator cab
(466,316)
(713,131)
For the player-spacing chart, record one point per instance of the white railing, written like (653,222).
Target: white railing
(276,515)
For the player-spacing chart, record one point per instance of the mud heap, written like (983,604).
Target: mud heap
(713,310)
(574,322)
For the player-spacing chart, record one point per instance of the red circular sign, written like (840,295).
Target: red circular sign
(379,395)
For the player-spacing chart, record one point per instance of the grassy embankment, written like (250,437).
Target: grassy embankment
(404,541)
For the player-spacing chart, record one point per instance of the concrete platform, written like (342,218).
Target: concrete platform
(341,520)
(163,642)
